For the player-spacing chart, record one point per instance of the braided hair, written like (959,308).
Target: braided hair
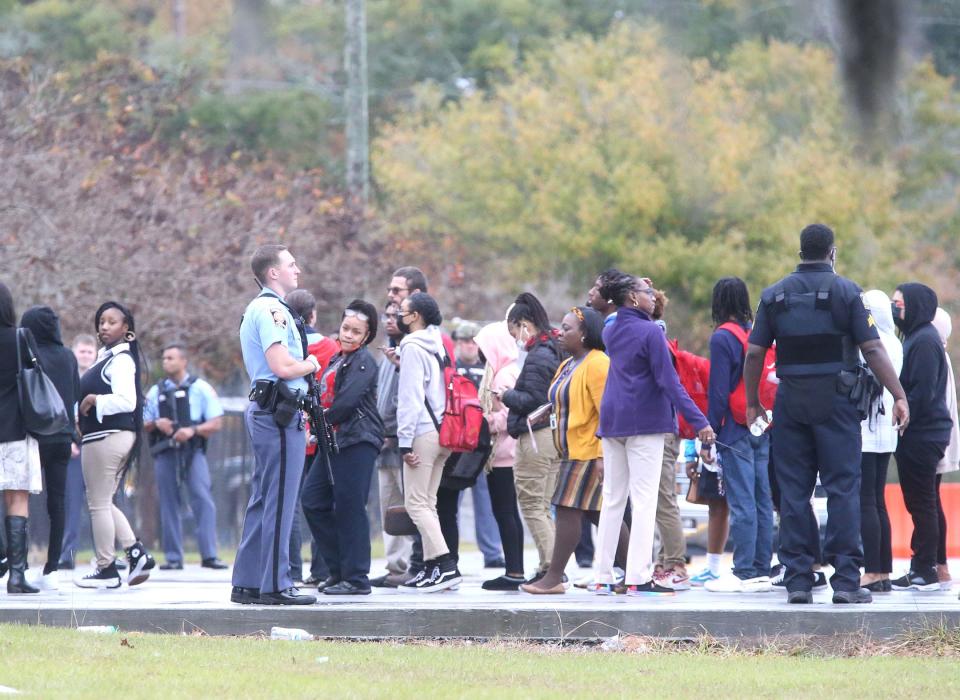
(138,360)
(731,299)
(618,288)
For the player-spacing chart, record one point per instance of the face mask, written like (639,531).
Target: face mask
(900,323)
(402,326)
(522,340)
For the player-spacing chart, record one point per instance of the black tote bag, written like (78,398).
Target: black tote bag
(40,403)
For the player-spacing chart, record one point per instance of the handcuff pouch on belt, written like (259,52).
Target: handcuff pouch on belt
(279,399)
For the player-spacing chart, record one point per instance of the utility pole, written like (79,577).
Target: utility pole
(180,19)
(358,146)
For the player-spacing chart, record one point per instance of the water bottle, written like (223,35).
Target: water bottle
(292,634)
(760,425)
(97,629)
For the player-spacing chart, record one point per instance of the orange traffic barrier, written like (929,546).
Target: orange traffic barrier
(901,526)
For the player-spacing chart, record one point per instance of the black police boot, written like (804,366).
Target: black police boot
(16,526)
(291,596)
(244,596)
(861,595)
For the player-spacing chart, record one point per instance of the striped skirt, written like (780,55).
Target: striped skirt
(578,485)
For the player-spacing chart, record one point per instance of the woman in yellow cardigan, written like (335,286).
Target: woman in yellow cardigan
(575,393)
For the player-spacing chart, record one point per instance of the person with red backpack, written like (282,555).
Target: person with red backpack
(421,401)
(743,455)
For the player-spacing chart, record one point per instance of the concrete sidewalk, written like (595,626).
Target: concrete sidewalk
(197,599)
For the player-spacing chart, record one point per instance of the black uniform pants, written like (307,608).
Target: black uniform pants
(917,466)
(818,429)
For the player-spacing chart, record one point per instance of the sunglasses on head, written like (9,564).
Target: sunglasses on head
(353,313)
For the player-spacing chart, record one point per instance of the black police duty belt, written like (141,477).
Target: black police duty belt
(279,399)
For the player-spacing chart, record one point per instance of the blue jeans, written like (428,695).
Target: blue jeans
(751,508)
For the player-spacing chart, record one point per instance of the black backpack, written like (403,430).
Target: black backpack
(462,468)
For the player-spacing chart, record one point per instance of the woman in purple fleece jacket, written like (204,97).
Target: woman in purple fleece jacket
(636,412)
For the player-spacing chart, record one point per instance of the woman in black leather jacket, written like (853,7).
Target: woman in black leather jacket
(336,508)
(537,462)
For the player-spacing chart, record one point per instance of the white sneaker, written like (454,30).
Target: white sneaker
(727,583)
(46,582)
(760,584)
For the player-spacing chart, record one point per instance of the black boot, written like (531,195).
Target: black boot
(17,555)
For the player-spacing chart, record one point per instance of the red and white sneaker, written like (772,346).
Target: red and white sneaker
(675,579)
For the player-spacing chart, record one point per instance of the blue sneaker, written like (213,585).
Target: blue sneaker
(603,589)
(703,577)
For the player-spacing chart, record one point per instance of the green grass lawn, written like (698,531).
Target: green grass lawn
(45,662)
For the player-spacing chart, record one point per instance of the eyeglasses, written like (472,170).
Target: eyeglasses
(397,290)
(404,314)
(577,312)
(388,317)
(353,313)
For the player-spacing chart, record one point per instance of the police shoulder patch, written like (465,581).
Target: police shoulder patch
(279,317)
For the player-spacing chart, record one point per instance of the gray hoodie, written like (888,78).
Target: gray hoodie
(420,377)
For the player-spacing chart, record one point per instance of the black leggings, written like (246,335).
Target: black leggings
(448,512)
(874,519)
(503,498)
(54,458)
(941,516)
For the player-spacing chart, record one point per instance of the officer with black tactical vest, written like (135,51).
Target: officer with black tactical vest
(180,413)
(818,321)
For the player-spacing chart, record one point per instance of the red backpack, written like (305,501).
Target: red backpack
(694,374)
(768,379)
(459,427)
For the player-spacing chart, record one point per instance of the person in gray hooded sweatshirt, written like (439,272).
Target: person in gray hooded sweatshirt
(421,401)
(923,443)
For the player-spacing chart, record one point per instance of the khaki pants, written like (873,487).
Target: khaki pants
(674,548)
(101,462)
(631,467)
(535,476)
(397,549)
(420,493)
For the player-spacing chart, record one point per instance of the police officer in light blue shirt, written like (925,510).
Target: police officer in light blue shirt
(179,414)
(273,353)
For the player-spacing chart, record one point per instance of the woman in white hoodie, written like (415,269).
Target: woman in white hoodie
(421,401)
(951,458)
(879,442)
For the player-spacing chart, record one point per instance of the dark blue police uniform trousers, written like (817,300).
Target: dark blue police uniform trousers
(197,478)
(800,449)
(76,527)
(337,511)
(263,558)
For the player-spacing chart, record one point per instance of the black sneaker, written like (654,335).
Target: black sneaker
(65,565)
(171,566)
(346,588)
(443,575)
(327,582)
(800,597)
(494,564)
(415,578)
(916,581)
(140,564)
(649,588)
(819,579)
(107,577)
(503,583)
(536,577)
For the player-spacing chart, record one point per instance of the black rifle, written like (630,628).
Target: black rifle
(163,444)
(321,429)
